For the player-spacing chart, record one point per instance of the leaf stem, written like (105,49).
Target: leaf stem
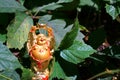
(5,77)
(105,72)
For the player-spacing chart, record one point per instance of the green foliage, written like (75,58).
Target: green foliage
(64,1)
(70,36)
(86,44)
(112,10)
(2,37)
(57,71)
(8,63)
(77,53)
(10,6)
(51,6)
(9,75)
(19,28)
(27,74)
(7,59)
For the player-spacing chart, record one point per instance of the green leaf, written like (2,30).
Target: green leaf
(57,72)
(112,11)
(64,1)
(18,31)
(27,74)
(77,52)
(7,59)
(45,19)
(22,2)
(50,6)
(3,37)
(10,6)
(89,3)
(9,75)
(70,36)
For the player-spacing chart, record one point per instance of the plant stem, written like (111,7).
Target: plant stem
(105,72)
(5,77)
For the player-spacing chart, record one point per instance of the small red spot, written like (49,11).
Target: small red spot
(46,78)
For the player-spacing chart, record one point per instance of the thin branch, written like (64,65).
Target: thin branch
(105,72)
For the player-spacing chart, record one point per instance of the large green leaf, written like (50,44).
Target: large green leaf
(57,72)
(9,75)
(10,6)
(70,36)
(112,11)
(77,52)
(50,6)
(18,31)
(7,59)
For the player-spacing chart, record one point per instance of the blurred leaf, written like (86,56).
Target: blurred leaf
(50,6)
(88,2)
(7,59)
(57,72)
(22,1)
(10,6)
(77,52)
(64,1)
(27,74)
(18,31)
(3,37)
(9,75)
(112,11)
(70,36)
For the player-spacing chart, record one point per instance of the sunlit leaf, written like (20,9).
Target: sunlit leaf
(7,59)
(2,37)
(64,1)
(18,31)
(77,52)
(50,6)
(10,6)
(57,72)
(9,75)
(112,11)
